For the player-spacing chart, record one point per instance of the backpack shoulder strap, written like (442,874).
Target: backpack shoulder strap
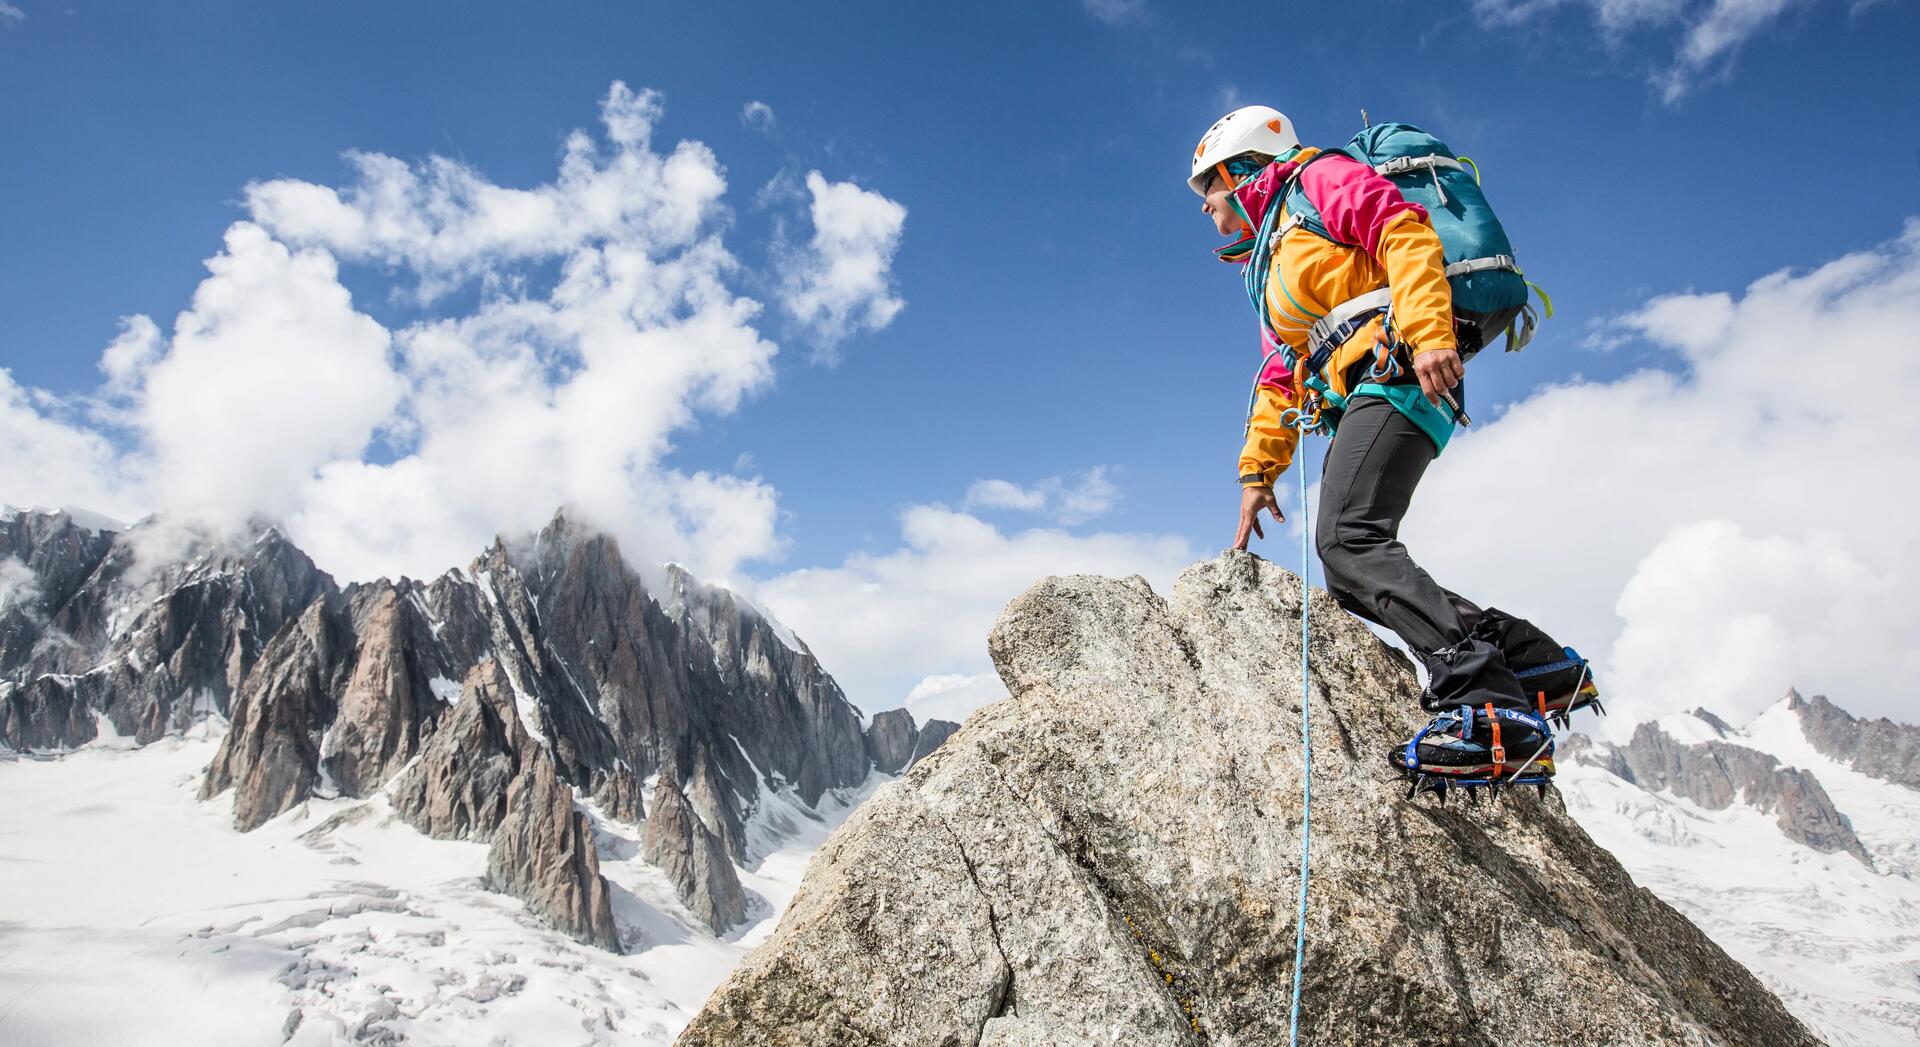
(1301,209)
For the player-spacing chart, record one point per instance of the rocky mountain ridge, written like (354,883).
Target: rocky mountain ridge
(1772,837)
(1877,748)
(1715,774)
(1111,856)
(487,703)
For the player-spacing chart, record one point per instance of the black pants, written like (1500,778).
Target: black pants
(1376,460)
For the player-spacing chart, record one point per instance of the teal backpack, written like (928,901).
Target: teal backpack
(1489,292)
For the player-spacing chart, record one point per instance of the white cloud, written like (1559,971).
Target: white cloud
(1115,12)
(50,457)
(841,282)
(1711,31)
(1612,15)
(1065,503)
(10,13)
(446,223)
(885,624)
(1719,32)
(1716,532)
(951,696)
(130,354)
(1719,618)
(19,586)
(604,323)
(757,115)
(1091,497)
(270,376)
(1004,494)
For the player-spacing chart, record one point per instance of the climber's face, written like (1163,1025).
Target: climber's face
(1216,206)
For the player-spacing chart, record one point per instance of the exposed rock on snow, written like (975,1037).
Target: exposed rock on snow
(618,794)
(1111,856)
(544,853)
(148,647)
(1715,774)
(693,859)
(1878,748)
(388,696)
(457,790)
(271,755)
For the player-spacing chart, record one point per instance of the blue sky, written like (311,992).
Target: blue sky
(1062,308)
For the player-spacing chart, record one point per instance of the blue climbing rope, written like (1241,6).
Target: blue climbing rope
(1306,749)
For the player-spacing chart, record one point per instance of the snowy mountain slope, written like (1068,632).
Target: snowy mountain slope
(422,810)
(1838,939)
(587,682)
(136,914)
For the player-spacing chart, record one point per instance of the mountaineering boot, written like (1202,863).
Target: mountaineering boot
(1557,682)
(1562,688)
(1471,672)
(1483,734)
(1478,746)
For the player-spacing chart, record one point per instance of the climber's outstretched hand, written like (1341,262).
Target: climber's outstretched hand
(1254,498)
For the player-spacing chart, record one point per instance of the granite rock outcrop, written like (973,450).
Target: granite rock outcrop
(1113,855)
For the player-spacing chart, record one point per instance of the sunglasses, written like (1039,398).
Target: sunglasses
(1217,179)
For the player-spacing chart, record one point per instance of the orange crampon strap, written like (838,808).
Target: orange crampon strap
(1543,703)
(1499,751)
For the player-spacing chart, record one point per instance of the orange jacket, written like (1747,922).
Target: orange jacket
(1385,241)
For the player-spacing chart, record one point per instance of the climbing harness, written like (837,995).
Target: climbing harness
(1306,756)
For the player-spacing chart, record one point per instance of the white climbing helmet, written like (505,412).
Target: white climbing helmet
(1249,129)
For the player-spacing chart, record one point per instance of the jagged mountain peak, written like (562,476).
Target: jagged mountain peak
(1879,748)
(1691,757)
(335,692)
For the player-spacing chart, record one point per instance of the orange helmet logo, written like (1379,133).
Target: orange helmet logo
(1276,127)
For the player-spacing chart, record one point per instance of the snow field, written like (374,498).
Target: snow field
(134,914)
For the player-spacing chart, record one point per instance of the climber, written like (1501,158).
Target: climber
(1361,337)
